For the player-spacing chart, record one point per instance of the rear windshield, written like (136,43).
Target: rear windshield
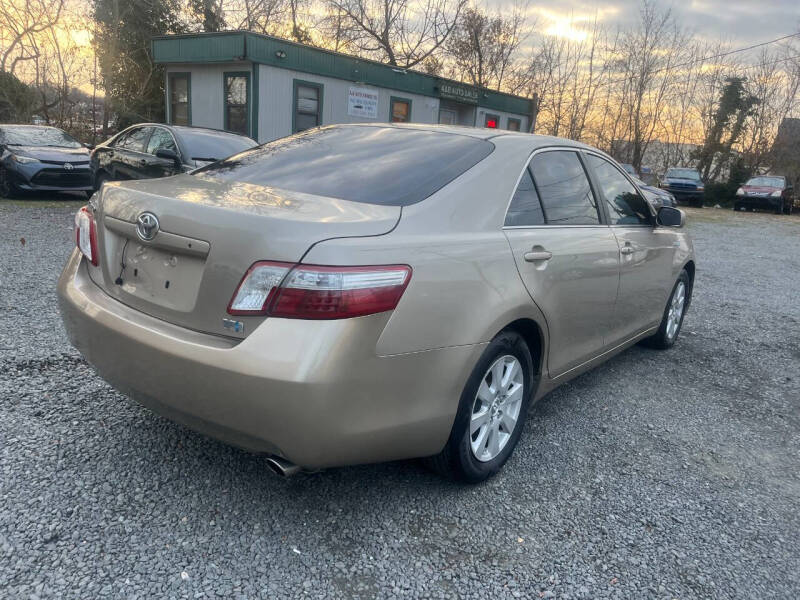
(213,145)
(376,165)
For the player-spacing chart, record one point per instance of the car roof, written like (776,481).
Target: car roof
(26,126)
(495,135)
(189,128)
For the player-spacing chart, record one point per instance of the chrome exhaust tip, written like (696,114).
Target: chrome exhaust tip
(282,467)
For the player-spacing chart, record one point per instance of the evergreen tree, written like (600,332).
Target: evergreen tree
(133,84)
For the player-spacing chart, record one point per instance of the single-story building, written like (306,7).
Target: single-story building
(268,87)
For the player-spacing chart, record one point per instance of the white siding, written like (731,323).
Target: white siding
(275,97)
(277,92)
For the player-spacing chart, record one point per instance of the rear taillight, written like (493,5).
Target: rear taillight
(257,288)
(86,234)
(319,292)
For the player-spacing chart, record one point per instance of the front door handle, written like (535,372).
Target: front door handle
(626,249)
(535,255)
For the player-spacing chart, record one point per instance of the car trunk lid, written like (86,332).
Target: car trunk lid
(209,233)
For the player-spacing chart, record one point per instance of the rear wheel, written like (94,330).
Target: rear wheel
(673,315)
(491,412)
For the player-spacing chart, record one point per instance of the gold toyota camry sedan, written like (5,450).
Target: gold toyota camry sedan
(364,293)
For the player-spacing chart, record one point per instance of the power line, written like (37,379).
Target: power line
(707,58)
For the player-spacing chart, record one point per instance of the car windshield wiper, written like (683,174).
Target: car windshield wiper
(205,159)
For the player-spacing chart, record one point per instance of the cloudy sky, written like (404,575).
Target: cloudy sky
(741,22)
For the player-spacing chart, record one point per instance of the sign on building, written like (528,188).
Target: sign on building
(462,93)
(362,102)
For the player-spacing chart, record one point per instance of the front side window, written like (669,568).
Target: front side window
(236,102)
(179,103)
(307,106)
(564,189)
(161,140)
(525,208)
(624,204)
(401,110)
(513,124)
(134,140)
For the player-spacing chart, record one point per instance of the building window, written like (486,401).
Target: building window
(513,124)
(491,121)
(307,105)
(237,105)
(180,107)
(401,110)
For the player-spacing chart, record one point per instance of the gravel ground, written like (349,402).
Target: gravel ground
(660,474)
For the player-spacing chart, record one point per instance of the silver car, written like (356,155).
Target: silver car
(363,293)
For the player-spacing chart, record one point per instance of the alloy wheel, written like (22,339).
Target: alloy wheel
(496,408)
(676,310)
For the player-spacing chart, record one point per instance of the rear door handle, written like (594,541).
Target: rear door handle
(535,255)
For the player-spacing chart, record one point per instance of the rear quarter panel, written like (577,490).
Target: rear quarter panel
(465,286)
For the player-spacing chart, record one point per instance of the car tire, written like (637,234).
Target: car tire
(736,207)
(671,323)
(7,189)
(481,398)
(779,209)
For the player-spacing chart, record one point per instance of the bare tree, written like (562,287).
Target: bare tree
(21,21)
(646,60)
(482,47)
(399,32)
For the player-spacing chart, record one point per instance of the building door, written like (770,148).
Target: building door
(447,116)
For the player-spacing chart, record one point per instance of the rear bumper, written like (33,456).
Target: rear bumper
(313,392)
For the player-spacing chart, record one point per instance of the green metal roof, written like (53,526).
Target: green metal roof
(233,46)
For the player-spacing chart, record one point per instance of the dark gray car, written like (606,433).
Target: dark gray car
(41,158)
(153,150)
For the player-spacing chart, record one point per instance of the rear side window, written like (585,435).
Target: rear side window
(377,165)
(564,189)
(525,209)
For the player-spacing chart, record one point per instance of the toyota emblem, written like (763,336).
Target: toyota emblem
(68,167)
(147,226)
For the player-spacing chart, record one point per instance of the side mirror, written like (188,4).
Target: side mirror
(168,154)
(89,146)
(671,217)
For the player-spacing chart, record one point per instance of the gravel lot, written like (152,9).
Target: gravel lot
(660,474)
